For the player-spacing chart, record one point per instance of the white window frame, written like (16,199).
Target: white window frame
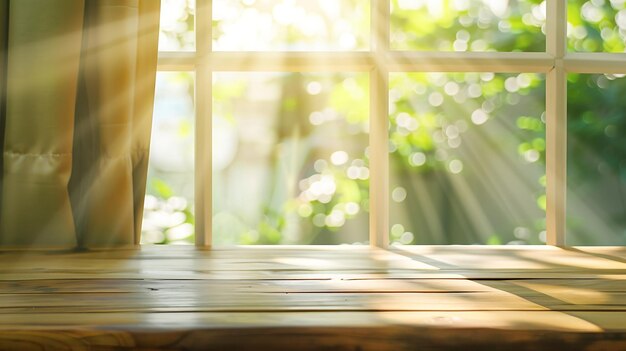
(556,62)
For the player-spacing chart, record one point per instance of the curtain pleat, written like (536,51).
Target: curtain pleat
(86,141)
(110,72)
(119,68)
(4,41)
(44,44)
(145,79)
(80,89)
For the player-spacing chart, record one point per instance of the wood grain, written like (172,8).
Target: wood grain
(346,298)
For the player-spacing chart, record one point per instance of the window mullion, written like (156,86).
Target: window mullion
(556,123)
(294,61)
(595,63)
(203,131)
(379,136)
(437,61)
(176,61)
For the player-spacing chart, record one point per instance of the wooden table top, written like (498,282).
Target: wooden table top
(305,298)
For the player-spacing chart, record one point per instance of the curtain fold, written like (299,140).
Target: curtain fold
(80,86)
(4,40)
(145,81)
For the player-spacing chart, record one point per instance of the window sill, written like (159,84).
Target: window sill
(343,298)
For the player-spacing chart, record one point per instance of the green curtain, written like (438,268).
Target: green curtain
(76,91)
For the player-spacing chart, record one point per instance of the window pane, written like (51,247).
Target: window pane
(168,210)
(596,26)
(596,172)
(468,25)
(177,25)
(289,163)
(467,158)
(258,25)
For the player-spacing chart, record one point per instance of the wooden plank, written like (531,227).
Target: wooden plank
(286,263)
(367,298)
(407,257)
(238,286)
(516,257)
(296,265)
(311,275)
(318,338)
(596,285)
(507,320)
(609,252)
(338,253)
(195,300)
(503,296)
(600,293)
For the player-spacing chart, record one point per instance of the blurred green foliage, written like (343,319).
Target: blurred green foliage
(468,25)
(432,115)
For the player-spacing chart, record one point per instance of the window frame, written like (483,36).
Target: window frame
(556,62)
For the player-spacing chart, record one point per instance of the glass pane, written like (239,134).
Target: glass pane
(261,25)
(596,25)
(596,170)
(468,25)
(168,209)
(289,158)
(467,162)
(177,25)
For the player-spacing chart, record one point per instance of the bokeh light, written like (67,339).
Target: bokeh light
(596,173)
(177,27)
(460,170)
(467,150)
(468,25)
(168,208)
(297,174)
(291,25)
(596,25)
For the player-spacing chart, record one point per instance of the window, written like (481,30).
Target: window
(434,122)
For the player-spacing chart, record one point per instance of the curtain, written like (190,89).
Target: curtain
(76,94)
